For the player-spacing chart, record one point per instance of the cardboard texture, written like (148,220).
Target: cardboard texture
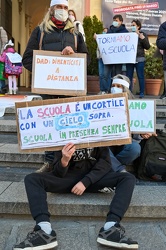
(68,100)
(46,72)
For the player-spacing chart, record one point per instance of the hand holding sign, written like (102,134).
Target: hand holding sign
(67,152)
(67,51)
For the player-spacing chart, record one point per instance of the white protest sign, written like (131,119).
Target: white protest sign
(142,116)
(57,74)
(84,121)
(118,48)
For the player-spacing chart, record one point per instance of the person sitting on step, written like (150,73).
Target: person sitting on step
(77,171)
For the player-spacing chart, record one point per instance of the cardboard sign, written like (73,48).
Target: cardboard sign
(142,116)
(56,74)
(88,121)
(118,48)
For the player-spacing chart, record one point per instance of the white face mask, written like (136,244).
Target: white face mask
(72,18)
(61,15)
(115,90)
(115,24)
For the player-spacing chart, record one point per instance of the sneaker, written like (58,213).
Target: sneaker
(45,168)
(141,95)
(38,240)
(102,93)
(107,190)
(115,237)
(163,96)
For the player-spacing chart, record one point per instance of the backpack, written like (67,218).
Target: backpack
(152,162)
(13,64)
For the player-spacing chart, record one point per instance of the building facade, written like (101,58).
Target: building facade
(20,17)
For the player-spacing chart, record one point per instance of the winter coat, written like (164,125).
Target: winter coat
(161,42)
(120,29)
(55,40)
(142,45)
(94,163)
(3,56)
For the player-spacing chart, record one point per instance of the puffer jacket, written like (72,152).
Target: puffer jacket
(161,42)
(55,40)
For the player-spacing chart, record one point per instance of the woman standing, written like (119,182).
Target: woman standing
(77,24)
(143,43)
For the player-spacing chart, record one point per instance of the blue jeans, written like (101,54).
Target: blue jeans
(101,73)
(110,70)
(124,155)
(2,84)
(103,85)
(140,74)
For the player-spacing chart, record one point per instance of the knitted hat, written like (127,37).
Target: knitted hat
(9,44)
(55,2)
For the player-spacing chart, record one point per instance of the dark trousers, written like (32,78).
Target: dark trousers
(140,74)
(38,184)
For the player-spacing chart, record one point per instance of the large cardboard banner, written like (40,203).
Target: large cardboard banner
(57,74)
(118,48)
(85,121)
(142,116)
(151,13)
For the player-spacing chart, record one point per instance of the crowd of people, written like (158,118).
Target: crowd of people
(74,170)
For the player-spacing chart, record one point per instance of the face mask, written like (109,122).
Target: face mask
(115,90)
(61,15)
(72,18)
(133,28)
(115,23)
(104,32)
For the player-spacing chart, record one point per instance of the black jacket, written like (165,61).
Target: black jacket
(55,40)
(94,163)
(161,42)
(142,45)
(120,29)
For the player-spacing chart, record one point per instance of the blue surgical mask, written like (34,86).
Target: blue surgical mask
(104,32)
(115,90)
(115,23)
(133,28)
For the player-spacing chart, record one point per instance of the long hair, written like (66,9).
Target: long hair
(73,14)
(45,24)
(125,89)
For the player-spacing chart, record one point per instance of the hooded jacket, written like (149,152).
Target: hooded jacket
(161,42)
(55,40)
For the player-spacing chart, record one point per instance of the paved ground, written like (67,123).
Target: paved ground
(77,234)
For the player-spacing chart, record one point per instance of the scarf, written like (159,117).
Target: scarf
(58,24)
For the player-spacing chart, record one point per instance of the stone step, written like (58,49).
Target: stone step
(11,157)
(148,202)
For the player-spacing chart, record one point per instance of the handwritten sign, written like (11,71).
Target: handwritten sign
(118,48)
(85,121)
(142,116)
(57,74)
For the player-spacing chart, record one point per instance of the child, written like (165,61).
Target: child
(13,66)
(76,171)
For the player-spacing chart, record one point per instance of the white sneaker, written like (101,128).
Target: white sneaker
(45,168)
(102,93)
(10,92)
(107,190)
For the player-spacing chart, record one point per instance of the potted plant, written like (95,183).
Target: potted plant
(153,71)
(92,25)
